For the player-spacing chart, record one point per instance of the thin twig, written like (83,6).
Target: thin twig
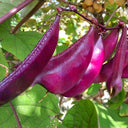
(61,99)
(111,16)
(15,114)
(91,21)
(14,10)
(37,6)
(6,69)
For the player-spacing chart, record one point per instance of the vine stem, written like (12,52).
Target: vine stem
(91,21)
(37,6)
(14,10)
(15,114)
(111,16)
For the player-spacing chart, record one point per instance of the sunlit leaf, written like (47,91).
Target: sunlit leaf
(93,89)
(109,118)
(81,115)
(21,44)
(31,113)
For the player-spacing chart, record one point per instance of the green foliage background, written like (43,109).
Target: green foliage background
(89,112)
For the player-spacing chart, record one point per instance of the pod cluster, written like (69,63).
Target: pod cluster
(69,73)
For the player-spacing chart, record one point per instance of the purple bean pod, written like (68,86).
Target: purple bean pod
(114,82)
(65,69)
(106,70)
(110,43)
(125,72)
(91,72)
(24,75)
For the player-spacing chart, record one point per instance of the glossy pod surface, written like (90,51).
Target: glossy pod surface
(114,82)
(110,43)
(65,69)
(91,72)
(23,76)
(106,70)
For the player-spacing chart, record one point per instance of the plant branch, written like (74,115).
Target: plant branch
(91,21)
(14,10)
(37,6)
(111,16)
(15,114)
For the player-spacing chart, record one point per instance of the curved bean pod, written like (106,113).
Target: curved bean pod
(114,82)
(24,75)
(65,69)
(125,72)
(106,70)
(91,72)
(110,43)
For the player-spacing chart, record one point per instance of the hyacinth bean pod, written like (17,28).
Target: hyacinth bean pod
(106,70)
(114,82)
(91,72)
(110,43)
(65,69)
(125,72)
(24,75)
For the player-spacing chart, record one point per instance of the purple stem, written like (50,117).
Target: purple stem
(100,25)
(14,10)
(15,114)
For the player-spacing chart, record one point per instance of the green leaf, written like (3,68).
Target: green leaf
(109,118)
(81,115)
(4,29)
(116,101)
(21,44)
(71,27)
(93,89)
(5,7)
(13,2)
(31,113)
(3,62)
(124,110)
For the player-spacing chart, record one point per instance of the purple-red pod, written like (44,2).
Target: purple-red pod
(96,34)
(110,43)
(91,72)
(106,70)
(114,82)
(24,75)
(65,69)
(125,72)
